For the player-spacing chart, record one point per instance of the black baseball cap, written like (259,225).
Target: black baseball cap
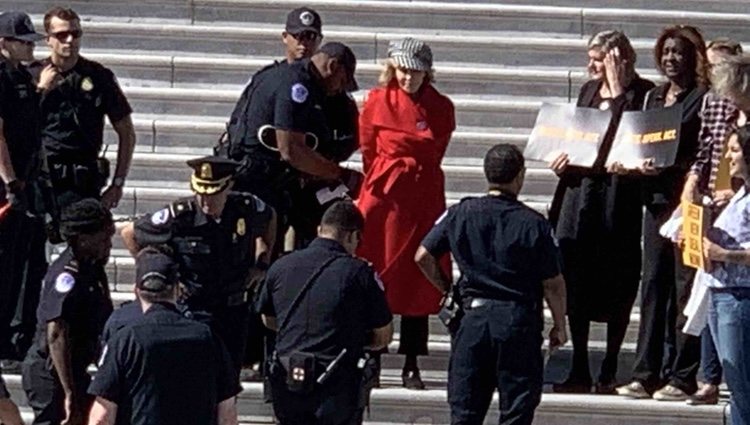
(155,271)
(18,25)
(346,57)
(303,19)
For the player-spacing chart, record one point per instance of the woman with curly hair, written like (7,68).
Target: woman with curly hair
(680,55)
(404,130)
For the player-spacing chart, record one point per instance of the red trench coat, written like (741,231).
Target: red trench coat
(403,141)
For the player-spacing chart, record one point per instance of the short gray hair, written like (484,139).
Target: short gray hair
(608,40)
(731,77)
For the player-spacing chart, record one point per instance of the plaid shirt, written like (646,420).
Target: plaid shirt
(718,121)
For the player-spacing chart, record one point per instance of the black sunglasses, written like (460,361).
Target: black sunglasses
(64,35)
(306,36)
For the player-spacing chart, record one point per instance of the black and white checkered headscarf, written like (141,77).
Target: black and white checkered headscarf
(411,53)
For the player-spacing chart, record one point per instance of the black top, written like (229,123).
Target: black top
(19,110)
(342,117)
(73,112)
(340,307)
(171,369)
(665,187)
(78,294)
(288,97)
(503,248)
(123,316)
(214,257)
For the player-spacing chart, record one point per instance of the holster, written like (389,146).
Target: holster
(451,310)
(370,373)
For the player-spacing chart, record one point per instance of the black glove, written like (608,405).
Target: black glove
(352,179)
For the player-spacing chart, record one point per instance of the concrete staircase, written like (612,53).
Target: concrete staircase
(183,63)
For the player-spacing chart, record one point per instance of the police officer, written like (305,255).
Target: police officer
(509,261)
(76,95)
(74,305)
(214,236)
(327,306)
(22,237)
(168,369)
(279,121)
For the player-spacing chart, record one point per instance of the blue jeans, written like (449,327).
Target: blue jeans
(710,363)
(729,320)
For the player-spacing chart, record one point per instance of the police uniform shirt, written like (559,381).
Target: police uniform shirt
(171,369)
(342,117)
(214,257)
(288,98)
(78,294)
(127,314)
(73,111)
(503,248)
(341,306)
(19,110)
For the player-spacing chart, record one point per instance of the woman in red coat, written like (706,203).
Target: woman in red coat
(404,127)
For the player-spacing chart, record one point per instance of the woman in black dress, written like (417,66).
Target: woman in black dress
(597,217)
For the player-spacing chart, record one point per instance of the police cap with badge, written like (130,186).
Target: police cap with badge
(302,20)
(212,174)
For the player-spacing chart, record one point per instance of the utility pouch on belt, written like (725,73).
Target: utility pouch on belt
(301,372)
(103,168)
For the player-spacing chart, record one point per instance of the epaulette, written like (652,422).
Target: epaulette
(72,266)
(181,206)
(248,200)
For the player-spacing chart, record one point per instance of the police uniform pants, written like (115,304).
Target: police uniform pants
(335,403)
(22,265)
(73,182)
(45,393)
(497,346)
(231,325)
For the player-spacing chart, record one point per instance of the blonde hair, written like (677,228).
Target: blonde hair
(731,77)
(608,40)
(389,73)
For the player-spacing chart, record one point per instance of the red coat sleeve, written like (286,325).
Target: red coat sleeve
(367,134)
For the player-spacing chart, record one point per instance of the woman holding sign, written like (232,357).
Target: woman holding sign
(598,219)
(405,127)
(680,55)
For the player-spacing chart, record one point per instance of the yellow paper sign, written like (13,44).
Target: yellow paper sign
(723,179)
(693,220)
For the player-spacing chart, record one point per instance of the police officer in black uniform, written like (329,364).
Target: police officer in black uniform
(166,368)
(74,305)
(327,306)
(280,120)
(222,242)
(509,261)
(77,94)
(22,237)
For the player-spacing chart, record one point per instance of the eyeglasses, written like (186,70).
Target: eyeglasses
(306,36)
(63,36)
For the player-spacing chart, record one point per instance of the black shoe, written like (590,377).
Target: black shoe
(572,386)
(412,379)
(605,388)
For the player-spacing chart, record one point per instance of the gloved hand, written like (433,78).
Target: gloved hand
(353,180)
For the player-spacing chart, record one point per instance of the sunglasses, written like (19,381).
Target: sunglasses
(65,35)
(306,36)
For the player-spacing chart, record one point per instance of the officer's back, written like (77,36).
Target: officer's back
(166,368)
(327,306)
(508,258)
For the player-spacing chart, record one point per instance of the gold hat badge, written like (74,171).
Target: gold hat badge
(206,171)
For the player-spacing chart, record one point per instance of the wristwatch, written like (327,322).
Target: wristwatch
(118,181)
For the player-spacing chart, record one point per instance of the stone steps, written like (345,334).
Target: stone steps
(400,406)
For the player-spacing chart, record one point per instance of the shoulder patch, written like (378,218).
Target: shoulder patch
(64,282)
(160,217)
(299,93)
